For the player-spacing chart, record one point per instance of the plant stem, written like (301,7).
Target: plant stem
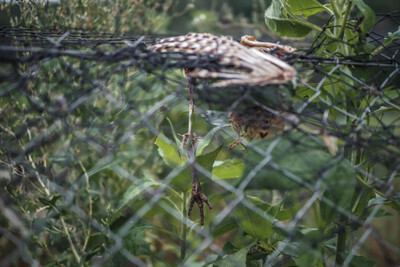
(380,48)
(343,21)
(342,234)
(183,226)
(335,8)
(341,242)
(191,84)
(74,251)
(90,207)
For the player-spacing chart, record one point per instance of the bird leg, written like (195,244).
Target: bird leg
(189,143)
(197,194)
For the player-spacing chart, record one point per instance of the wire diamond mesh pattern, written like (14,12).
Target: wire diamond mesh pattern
(92,171)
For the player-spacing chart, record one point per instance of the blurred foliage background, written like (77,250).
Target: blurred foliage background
(82,181)
(232,17)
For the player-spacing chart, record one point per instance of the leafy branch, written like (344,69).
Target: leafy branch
(290,18)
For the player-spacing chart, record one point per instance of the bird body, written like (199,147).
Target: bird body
(237,65)
(240,65)
(256,122)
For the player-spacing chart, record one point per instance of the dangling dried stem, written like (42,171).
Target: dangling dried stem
(189,142)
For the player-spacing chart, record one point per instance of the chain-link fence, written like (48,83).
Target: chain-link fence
(94,172)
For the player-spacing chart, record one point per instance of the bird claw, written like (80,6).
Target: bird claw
(198,197)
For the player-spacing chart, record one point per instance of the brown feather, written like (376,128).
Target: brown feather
(239,64)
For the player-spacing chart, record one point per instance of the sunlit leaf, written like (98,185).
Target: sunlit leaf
(305,8)
(168,151)
(278,20)
(228,169)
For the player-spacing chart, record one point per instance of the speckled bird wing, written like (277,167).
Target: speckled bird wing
(239,64)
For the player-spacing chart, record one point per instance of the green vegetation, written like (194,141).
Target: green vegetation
(91,166)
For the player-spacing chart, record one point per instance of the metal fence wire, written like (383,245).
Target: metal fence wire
(93,170)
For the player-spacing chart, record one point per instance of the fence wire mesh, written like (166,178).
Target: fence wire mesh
(93,172)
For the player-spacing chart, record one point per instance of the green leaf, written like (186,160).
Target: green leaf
(51,202)
(360,261)
(229,248)
(169,152)
(207,160)
(237,259)
(296,160)
(228,169)
(369,16)
(383,213)
(259,251)
(205,142)
(304,8)
(156,209)
(286,214)
(134,242)
(291,248)
(171,125)
(305,92)
(283,23)
(340,184)
(363,197)
(392,36)
(226,225)
(310,247)
(292,161)
(251,221)
(366,49)
(305,260)
(339,84)
(132,193)
(296,154)
(182,181)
